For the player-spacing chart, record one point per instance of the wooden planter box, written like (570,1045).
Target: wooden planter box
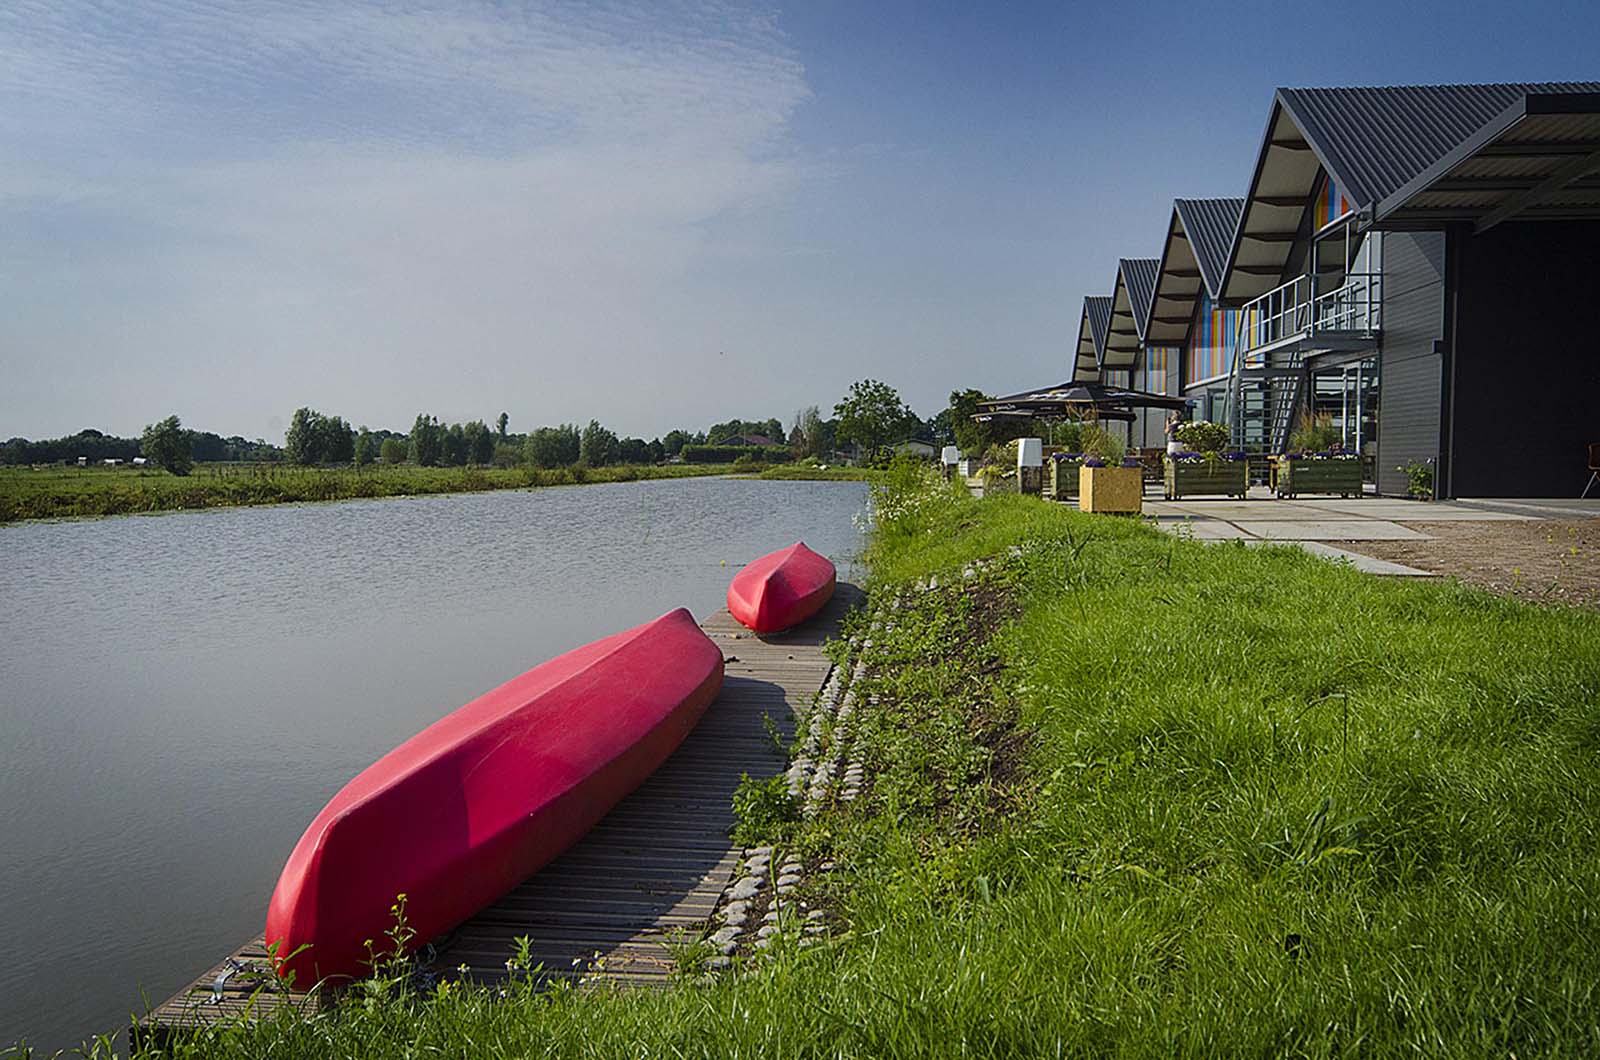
(1189,478)
(1064,478)
(1334,475)
(1113,490)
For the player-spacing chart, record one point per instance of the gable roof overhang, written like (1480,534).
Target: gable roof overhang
(1192,261)
(1372,142)
(1539,159)
(1092,327)
(1130,312)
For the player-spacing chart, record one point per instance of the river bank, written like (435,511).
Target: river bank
(68,492)
(71,492)
(1109,791)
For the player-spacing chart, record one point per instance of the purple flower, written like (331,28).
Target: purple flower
(1094,461)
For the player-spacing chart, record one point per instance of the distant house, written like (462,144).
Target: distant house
(760,440)
(919,447)
(139,461)
(111,461)
(83,461)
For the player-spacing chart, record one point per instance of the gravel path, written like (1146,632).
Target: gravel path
(1542,561)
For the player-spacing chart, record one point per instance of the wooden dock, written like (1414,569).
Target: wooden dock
(649,873)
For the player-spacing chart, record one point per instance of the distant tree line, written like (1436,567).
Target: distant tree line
(98,446)
(869,419)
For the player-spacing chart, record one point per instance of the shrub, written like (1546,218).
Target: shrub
(728,454)
(1202,436)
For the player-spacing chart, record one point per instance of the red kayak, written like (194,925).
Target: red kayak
(471,806)
(782,589)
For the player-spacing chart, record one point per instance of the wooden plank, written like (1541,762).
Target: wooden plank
(654,867)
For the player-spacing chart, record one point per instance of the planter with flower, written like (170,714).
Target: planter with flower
(1064,475)
(1204,468)
(1315,463)
(1109,481)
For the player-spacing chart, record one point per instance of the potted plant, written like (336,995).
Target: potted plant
(1108,481)
(1315,463)
(1064,475)
(1203,467)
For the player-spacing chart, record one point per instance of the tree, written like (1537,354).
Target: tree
(480,442)
(633,451)
(973,437)
(338,440)
(364,453)
(872,414)
(167,445)
(598,446)
(674,441)
(552,446)
(302,443)
(658,452)
(392,451)
(426,444)
(453,446)
(500,425)
(773,429)
(811,428)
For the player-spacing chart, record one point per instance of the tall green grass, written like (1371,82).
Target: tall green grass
(68,492)
(1138,796)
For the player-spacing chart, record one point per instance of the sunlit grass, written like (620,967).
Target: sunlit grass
(1264,806)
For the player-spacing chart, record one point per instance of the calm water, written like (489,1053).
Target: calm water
(180,694)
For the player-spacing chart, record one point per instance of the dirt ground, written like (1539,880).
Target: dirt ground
(1543,561)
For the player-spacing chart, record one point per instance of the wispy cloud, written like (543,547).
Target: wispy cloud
(307,196)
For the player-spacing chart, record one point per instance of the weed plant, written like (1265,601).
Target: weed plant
(1134,795)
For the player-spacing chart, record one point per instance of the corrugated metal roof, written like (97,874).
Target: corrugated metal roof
(1139,276)
(1097,308)
(1374,140)
(1210,225)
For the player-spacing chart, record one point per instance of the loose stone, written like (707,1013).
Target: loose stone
(788,879)
(735,920)
(718,964)
(766,931)
(723,936)
(816,914)
(745,888)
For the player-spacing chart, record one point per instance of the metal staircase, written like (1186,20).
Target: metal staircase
(1276,333)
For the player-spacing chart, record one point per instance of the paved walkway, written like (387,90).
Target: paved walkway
(1312,522)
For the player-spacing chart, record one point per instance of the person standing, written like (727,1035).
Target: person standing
(1174,419)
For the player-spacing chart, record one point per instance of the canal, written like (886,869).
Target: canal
(180,694)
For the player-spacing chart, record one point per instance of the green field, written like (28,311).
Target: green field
(57,492)
(1138,796)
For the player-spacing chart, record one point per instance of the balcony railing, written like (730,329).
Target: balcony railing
(1295,309)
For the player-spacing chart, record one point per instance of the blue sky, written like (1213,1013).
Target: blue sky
(655,215)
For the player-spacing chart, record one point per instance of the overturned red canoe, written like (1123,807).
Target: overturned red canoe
(782,589)
(469,807)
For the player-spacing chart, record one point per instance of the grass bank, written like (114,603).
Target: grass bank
(802,473)
(59,492)
(1137,796)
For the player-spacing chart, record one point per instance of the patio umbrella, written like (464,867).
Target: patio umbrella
(1077,401)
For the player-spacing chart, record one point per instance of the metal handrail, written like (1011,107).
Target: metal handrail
(1294,309)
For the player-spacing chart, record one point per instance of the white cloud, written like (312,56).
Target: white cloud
(311,197)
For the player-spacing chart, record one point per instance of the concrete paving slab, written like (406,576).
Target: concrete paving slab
(1538,508)
(1409,511)
(1366,564)
(1329,530)
(1204,529)
(1233,511)
(1369,564)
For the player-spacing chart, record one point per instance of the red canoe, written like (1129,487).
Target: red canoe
(782,589)
(472,805)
